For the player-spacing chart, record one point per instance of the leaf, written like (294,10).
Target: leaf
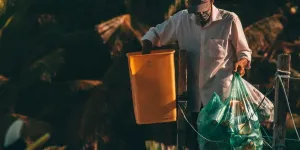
(6,24)
(3,79)
(55,148)
(173,8)
(51,61)
(108,28)
(262,35)
(84,85)
(43,69)
(3,7)
(14,19)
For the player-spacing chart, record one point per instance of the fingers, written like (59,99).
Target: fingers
(242,71)
(236,65)
(239,69)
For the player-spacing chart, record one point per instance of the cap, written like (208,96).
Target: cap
(202,7)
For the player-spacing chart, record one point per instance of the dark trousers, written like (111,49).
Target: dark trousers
(192,143)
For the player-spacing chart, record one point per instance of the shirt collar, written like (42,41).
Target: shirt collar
(215,16)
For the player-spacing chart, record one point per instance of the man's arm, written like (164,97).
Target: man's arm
(239,41)
(162,34)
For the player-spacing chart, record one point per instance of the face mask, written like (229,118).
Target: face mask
(201,11)
(204,16)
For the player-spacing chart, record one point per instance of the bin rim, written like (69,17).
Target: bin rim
(153,52)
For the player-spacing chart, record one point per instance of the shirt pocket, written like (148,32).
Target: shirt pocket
(217,48)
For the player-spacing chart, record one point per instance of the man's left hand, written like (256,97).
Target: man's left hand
(240,66)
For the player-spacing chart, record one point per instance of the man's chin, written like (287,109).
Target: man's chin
(204,19)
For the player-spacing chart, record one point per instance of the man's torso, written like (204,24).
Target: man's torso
(210,53)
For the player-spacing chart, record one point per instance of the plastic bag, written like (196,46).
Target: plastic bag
(264,107)
(235,122)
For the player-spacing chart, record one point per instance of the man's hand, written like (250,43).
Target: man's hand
(240,66)
(147,46)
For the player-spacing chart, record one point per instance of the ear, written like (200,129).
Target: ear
(186,2)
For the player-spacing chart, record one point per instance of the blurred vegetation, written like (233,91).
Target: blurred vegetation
(56,67)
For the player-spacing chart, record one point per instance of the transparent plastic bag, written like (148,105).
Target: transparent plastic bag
(235,122)
(264,106)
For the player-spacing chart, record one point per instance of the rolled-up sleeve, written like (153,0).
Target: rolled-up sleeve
(239,41)
(164,33)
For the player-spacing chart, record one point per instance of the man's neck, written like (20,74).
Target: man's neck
(203,23)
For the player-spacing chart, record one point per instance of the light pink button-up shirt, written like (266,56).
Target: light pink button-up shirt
(212,50)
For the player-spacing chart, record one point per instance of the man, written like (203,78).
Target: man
(214,40)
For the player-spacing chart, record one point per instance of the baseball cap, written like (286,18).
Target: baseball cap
(204,5)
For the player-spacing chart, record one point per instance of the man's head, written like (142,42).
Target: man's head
(201,8)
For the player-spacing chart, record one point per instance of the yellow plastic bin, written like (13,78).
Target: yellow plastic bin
(152,79)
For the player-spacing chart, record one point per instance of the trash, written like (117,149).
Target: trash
(235,122)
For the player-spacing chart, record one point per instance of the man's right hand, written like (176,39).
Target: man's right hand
(147,46)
